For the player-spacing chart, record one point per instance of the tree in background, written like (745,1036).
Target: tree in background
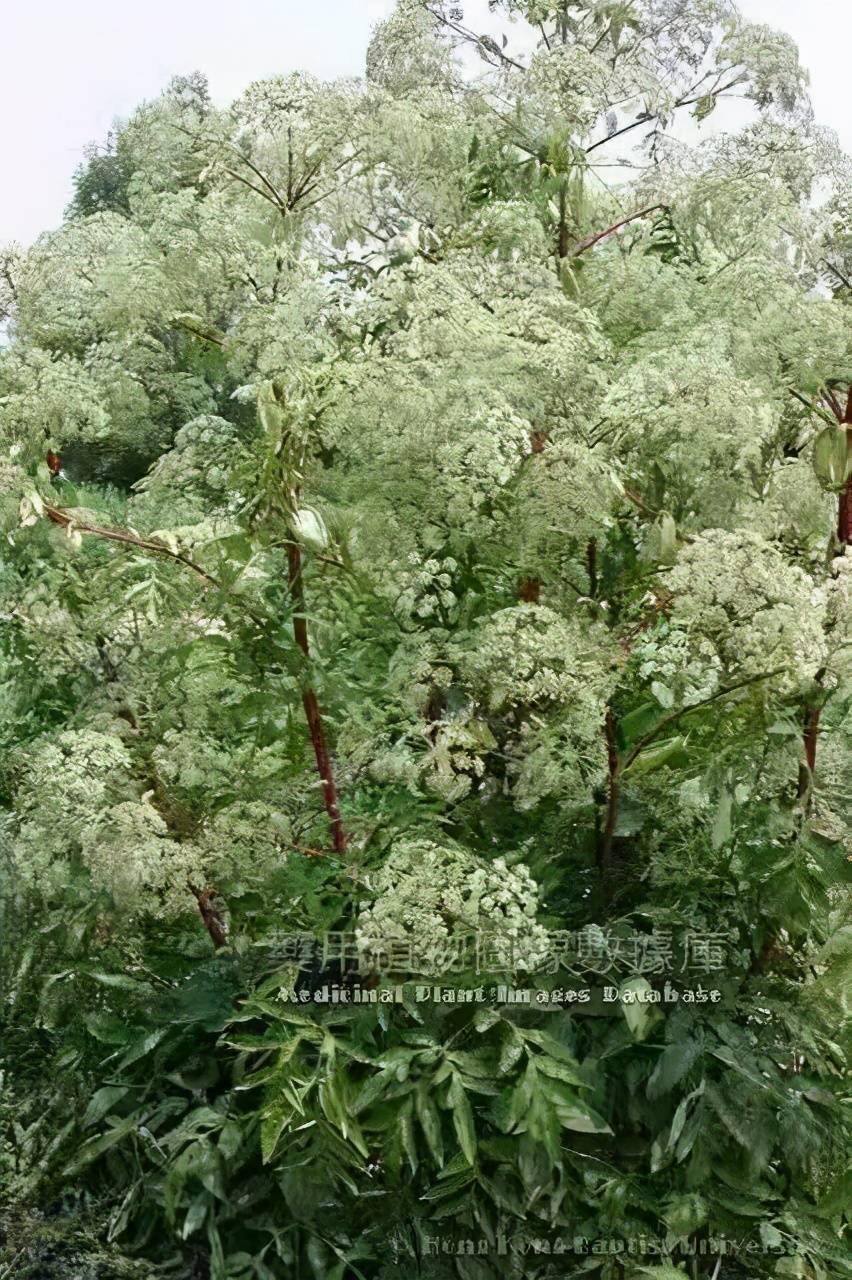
(426,505)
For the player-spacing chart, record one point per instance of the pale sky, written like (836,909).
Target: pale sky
(68,70)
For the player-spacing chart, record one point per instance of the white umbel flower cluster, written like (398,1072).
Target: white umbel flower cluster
(129,853)
(435,895)
(529,655)
(477,465)
(742,609)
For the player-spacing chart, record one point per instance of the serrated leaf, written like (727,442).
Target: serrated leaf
(142,1047)
(274,1122)
(406,1130)
(560,1071)
(101,1103)
(480,1065)
(97,1146)
(672,1065)
(450,1186)
(679,1122)
(662,1272)
(195,1215)
(463,1119)
(430,1123)
(582,1119)
(553,1047)
(373,1088)
(121,981)
(510,1052)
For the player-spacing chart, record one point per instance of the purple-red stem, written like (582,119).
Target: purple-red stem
(310,701)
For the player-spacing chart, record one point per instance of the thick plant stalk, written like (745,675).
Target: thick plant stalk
(562,238)
(311,703)
(210,915)
(844,506)
(529,589)
(614,768)
(810,737)
(592,566)
(844,516)
(590,241)
(66,520)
